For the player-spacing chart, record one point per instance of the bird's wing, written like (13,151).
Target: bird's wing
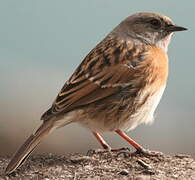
(104,72)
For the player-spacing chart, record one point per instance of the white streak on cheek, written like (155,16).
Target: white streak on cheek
(164,43)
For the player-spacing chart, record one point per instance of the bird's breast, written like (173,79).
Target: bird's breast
(156,67)
(152,82)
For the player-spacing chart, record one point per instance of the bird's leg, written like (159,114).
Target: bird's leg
(138,147)
(129,140)
(104,145)
(101,141)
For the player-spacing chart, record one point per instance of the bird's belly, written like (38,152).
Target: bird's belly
(144,114)
(105,119)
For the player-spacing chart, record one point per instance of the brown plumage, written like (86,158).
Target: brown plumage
(117,86)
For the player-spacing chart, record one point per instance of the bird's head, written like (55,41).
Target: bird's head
(148,28)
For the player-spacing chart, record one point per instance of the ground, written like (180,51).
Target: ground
(98,165)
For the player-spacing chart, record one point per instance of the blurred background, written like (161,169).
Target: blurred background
(42,42)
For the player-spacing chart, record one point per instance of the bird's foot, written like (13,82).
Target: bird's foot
(147,152)
(120,149)
(97,151)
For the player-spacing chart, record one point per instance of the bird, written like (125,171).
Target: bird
(116,87)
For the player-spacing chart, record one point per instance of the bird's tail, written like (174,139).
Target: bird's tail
(29,145)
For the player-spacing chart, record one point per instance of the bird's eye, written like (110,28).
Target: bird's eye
(155,23)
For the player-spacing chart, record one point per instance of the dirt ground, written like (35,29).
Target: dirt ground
(98,165)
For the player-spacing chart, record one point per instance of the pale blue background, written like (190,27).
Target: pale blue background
(42,41)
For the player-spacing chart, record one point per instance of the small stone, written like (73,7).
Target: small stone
(124,172)
(149,172)
(123,154)
(89,167)
(144,164)
(80,159)
(142,177)
(181,156)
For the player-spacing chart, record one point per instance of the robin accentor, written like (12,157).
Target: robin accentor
(117,86)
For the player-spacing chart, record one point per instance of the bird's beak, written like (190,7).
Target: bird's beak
(174,28)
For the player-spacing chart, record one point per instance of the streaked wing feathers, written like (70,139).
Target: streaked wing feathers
(100,75)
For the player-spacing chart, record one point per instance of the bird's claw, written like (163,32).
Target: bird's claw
(147,152)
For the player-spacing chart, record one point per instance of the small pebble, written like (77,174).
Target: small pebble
(124,172)
(144,164)
(80,159)
(181,156)
(142,177)
(123,154)
(149,172)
